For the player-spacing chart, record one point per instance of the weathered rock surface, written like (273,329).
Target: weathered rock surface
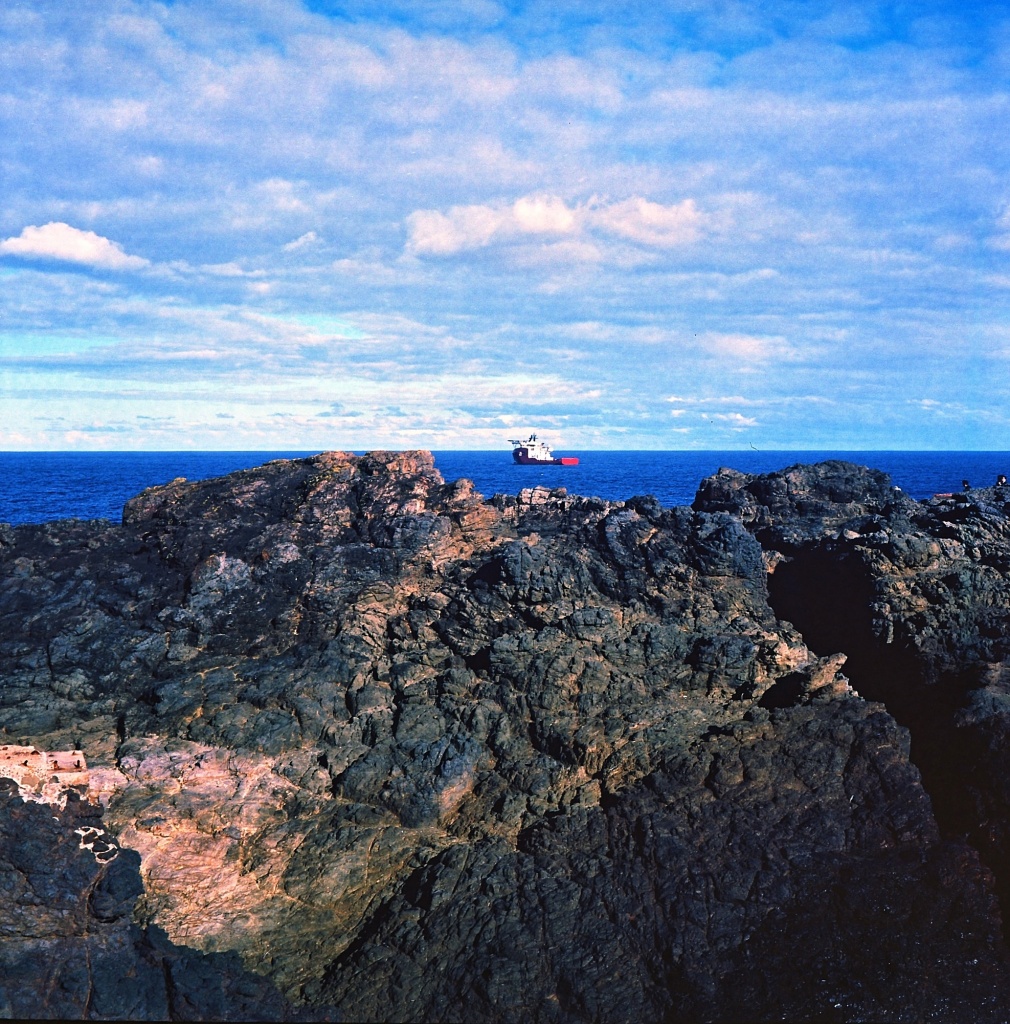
(420,756)
(918,595)
(68,947)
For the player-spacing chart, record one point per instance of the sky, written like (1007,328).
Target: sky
(306,225)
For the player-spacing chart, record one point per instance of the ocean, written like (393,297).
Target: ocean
(39,486)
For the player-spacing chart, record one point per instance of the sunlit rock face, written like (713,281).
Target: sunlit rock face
(45,776)
(69,947)
(411,754)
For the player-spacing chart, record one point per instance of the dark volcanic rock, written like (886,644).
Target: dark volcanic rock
(786,507)
(918,596)
(68,947)
(697,895)
(420,756)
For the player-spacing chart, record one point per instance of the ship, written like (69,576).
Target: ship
(532,452)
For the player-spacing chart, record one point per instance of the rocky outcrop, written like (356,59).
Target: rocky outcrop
(918,595)
(411,754)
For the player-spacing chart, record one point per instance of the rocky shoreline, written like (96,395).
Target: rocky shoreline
(372,747)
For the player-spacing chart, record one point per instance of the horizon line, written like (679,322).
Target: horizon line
(308,452)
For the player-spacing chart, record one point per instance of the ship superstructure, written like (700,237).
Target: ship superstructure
(532,452)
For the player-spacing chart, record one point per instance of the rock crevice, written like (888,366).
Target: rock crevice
(916,594)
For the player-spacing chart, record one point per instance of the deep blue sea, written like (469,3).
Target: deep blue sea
(39,486)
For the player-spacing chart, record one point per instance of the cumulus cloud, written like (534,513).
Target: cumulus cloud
(735,419)
(654,224)
(59,241)
(543,215)
(704,408)
(473,227)
(463,227)
(637,220)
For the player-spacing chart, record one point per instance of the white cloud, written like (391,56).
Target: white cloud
(734,419)
(473,227)
(648,223)
(637,220)
(280,195)
(230,269)
(464,227)
(710,400)
(149,166)
(746,347)
(59,241)
(543,215)
(299,243)
(370,271)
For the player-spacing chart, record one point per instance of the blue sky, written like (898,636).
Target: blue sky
(274,224)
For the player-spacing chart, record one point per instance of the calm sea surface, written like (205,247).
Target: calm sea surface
(39,486)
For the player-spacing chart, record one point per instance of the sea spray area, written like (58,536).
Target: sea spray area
(373,747)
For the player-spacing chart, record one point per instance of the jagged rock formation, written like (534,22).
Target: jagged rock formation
(417,755)
(919,598)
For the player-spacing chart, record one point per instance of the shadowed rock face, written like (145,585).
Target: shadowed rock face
(918,595)
(415,755)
